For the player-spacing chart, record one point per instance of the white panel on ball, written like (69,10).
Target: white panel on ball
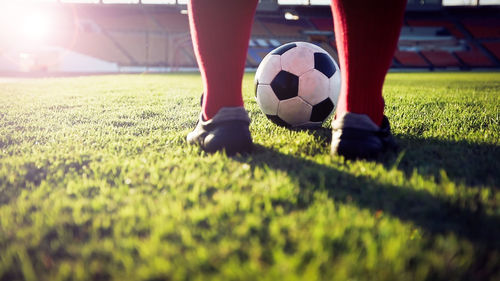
(335,84)
(298,60)
(314,47)
(268,69)
(267,100)
(314,86)
(294,111)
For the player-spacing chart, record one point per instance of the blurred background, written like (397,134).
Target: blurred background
(59,37)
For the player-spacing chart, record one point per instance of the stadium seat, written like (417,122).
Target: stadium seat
(134,44)
(324,24)
(474,57)
(172,22)
(450,26)
(440,58)
(483,28)
(126,23)
(256,54)
(410,59)
(494,48)
(157,50)
(282,28)
(118,18)
(99,46)
(258,29)
(133,35)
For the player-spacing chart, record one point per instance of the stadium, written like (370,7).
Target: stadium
(97,181)
(126,38)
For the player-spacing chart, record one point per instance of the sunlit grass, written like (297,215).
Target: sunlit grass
(97,182)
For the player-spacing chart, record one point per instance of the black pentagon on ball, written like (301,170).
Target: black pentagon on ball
(321,111)
(278,121)
(285,85)
(324,64)
(282,49)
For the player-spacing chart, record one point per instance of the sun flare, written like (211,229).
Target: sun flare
(36,25)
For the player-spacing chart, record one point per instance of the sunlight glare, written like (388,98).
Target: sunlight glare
(36,25)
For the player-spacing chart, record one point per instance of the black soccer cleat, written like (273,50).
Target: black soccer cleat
(357,136)
(226,131)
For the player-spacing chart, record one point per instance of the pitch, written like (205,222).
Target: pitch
(97,182)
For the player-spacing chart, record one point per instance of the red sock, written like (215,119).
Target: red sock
(221,30)
(367,34)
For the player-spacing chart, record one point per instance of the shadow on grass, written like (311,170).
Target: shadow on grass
(463,162)
(434,214)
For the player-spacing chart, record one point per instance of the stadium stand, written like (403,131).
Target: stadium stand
(135,45)
(410,59)
(181,52)
(118,18)
(448,25)
(439,58)
(171,22)
(435,39)
(157,50)
(101,47)
(258,29)
(494,48)
(429,40)
(158,36)
(470,30)
(85,36)
(484,28)
(280,27)
(256,54)
(472,56)
(324,24)
(137,22)
(133,36)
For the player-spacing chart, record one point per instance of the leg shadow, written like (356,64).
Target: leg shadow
(463,162)
(434,214)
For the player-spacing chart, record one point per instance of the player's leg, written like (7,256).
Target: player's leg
(220,30)
(366,33)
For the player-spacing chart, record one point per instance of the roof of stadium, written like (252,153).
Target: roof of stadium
(278,2)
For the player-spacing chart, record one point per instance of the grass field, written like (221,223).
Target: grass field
(97,182)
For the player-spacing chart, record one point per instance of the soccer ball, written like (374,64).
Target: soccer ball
(297,85)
